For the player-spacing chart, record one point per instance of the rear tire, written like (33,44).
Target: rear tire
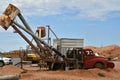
(99,65)
(1,63)
(59,66)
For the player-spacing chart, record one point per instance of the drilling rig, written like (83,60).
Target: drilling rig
(55,59)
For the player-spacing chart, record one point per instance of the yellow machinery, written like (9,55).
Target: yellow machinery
(32,56)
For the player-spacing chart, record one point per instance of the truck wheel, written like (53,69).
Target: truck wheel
(99,65)
(59,66)
(1,64)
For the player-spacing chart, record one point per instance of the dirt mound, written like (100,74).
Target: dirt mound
(77,74)
(9,70)
(107,51)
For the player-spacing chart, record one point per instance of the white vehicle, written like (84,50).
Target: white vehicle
(5,61)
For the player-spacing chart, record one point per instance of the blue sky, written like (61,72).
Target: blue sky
(95,21)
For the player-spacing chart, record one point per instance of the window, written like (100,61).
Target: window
(89,53)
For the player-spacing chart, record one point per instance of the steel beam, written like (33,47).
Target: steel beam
(43,42)
(28,27)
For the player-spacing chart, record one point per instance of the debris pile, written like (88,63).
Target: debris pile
(9,70)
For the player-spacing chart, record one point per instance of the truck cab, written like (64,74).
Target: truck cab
(92,61)
(85,58)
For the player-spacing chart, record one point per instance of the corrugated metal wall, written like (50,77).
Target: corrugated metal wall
(64,44)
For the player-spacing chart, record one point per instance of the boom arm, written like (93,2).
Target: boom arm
(7,19)
(43,42)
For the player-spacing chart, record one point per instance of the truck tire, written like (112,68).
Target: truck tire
(59,66)
(99,65)
(1,63)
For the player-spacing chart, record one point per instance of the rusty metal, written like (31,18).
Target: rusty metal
(8,16)
(41,31)
(28,27)
(43,49)
(43,42)
(52,31)
(24,37)
(28,41)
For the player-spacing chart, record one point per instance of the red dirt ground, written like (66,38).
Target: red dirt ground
(34,73)
(77,74)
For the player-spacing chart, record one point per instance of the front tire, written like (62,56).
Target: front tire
(59,66)
(99,65)
(1,63)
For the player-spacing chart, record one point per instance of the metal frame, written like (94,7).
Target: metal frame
(11,13)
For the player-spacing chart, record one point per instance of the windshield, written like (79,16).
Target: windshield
(89,53)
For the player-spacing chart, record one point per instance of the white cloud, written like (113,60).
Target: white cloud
(95,9)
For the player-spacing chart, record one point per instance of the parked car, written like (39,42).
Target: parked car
(5,61)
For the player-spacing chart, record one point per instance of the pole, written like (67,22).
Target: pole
(48,35)
(43,42)
(28,27)
(52,32)
(24,37)
(21,56)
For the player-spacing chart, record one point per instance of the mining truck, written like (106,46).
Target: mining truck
(73,57)
(79,57)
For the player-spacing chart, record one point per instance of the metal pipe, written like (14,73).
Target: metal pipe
(24,22)
(52,31)
(24,37)
(28,27)
(43,42)
(49,35)
(27,40)
(29,32)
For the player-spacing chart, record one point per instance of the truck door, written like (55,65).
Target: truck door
(79,58)
(79,54)
(88,56)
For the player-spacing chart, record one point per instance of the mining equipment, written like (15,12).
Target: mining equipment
(57,56)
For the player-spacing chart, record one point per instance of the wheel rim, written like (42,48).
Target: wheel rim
(1,64)
(99,65)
